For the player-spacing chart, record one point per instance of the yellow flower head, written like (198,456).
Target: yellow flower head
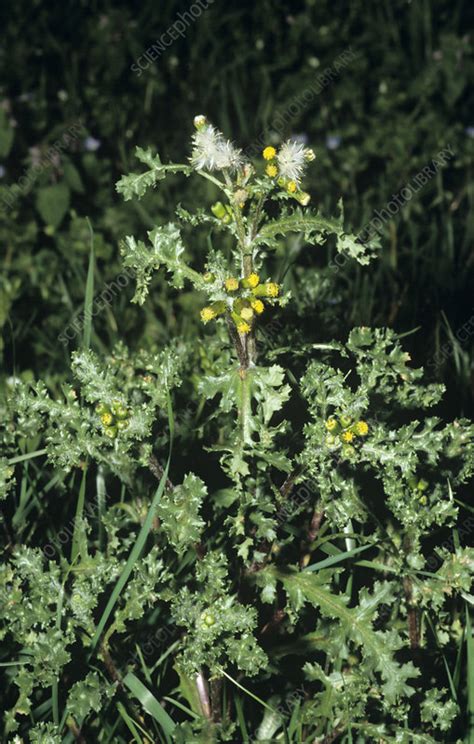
(231,284)
(269,153)
(361,428)
(207,314)
(106,419)
(243,327)
(348,436)
(331,424)
(292,187)
(271,170)
(252,280)
(269,289)
(258,306)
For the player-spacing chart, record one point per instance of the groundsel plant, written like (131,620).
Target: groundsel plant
(321,492)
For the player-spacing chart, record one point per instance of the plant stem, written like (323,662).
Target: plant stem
(203,692)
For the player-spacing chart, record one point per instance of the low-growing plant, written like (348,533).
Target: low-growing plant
(284,580)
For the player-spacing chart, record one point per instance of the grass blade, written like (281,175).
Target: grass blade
(77,519)
(332,560)
(89,296)
(470,678)
(129,723)
(28,456)
(149,703)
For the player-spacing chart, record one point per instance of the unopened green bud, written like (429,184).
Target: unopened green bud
(218,210)
(119,410)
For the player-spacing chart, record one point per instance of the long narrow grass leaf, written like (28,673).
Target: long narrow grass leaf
(149,703)
(89,296)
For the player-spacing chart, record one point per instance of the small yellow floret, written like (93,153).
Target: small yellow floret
(348,436)
(231,284)
(291,187)
(273,290)
(258,306)
(361,428)
(106,419)
(269,153)
(252,280)
(271,170)
(207,314)
(243,327)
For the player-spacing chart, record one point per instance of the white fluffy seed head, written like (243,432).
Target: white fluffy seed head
(292,161)
(211,151)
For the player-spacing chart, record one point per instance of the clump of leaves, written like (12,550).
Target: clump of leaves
(259,560)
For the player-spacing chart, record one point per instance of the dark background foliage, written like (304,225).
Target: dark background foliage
(376,123)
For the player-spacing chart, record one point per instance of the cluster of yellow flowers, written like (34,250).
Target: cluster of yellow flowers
(114,418)
(342,429)
(244,300)
(277,170)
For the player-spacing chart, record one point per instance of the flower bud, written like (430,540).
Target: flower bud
(119,410)
(246,313)
(231,284)
(241,324)
(258,306)
(200,122)
(303,198)
(107,418)
(361,428)
(269,289)
(218,210)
